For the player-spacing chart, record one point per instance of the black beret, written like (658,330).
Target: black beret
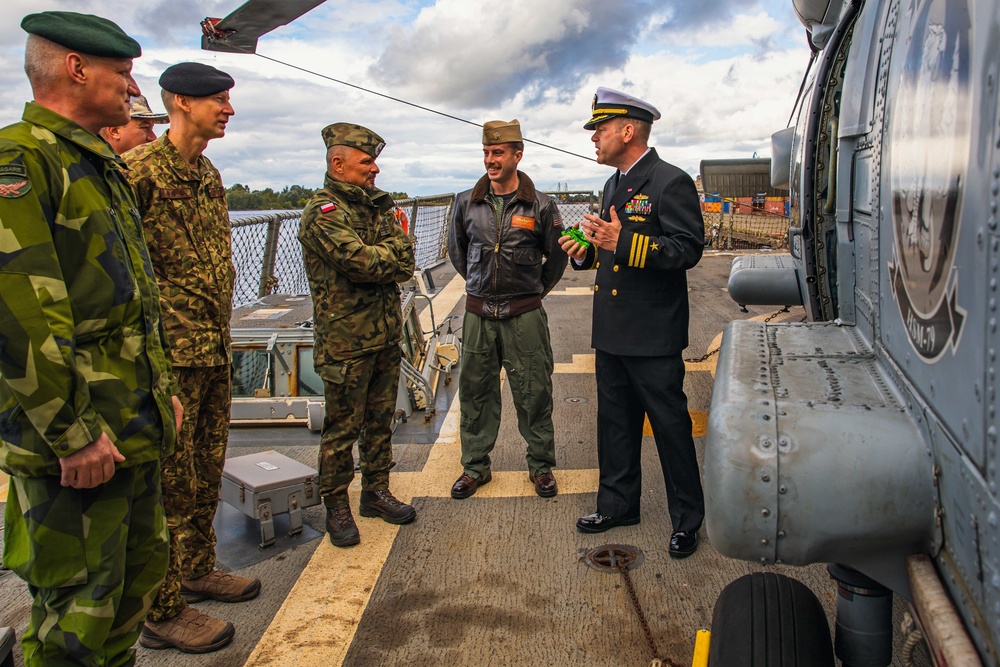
(195,80)
(84,33)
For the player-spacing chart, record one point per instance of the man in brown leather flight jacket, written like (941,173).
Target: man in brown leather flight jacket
(504,240)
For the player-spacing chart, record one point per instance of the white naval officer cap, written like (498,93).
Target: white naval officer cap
(610,103)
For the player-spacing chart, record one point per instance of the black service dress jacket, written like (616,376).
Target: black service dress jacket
(640,291)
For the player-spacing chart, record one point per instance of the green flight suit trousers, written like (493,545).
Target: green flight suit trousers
(520,345)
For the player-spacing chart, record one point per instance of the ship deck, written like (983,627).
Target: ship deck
(496,579)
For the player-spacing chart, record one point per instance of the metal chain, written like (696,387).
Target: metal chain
(702,357)
(708,354)
(657,660)
(775,314)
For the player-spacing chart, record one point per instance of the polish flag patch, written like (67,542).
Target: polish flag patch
(327,208)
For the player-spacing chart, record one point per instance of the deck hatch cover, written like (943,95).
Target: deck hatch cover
(611,557)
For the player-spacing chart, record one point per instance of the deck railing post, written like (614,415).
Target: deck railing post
(268,281)
(413,220)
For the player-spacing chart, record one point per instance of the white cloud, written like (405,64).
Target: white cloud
(723,87)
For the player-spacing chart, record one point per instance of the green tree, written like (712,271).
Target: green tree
(240,197)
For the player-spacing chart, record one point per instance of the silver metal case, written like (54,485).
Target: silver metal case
(262,485)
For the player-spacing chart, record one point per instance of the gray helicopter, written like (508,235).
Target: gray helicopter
(866,437)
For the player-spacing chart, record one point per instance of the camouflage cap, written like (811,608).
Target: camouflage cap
(355,136)
(139,110)
(83,33)
(501,132)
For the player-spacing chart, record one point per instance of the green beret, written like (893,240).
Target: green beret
(195,80)
(501,132)
(84,33)
(355,136)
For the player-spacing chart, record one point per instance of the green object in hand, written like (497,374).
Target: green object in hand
(577,236)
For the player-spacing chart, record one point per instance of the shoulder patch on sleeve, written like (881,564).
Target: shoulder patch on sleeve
(14,181)
(328,208)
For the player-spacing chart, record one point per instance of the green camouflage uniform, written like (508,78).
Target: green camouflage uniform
(81,353)
(187,230)
(355,254)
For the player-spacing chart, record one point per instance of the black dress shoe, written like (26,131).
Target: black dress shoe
(683,543)
(466,485)
(598,523)
(545,484)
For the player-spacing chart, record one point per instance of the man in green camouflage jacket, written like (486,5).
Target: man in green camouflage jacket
(186,223)
(355,254)
(85,382)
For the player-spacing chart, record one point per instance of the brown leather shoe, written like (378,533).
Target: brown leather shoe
(189,632)
(466,485)
(220,586)
(545,484)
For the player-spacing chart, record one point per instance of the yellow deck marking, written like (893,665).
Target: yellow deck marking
(699,425)
(572,291)
(582,363)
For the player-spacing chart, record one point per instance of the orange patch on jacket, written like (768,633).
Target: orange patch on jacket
(523,222)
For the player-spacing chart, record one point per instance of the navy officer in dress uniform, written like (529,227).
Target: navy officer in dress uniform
(649,233)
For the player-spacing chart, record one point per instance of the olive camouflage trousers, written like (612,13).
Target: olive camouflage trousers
(92,558)
(191,479)
(360,399)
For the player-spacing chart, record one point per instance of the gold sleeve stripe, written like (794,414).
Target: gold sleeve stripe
(640,247)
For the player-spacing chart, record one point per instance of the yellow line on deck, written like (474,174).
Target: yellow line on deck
(582,363)
(572,291)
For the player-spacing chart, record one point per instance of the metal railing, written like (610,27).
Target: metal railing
(268,257)
(428,219)
(574,204)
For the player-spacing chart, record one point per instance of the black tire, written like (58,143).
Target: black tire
(769,620)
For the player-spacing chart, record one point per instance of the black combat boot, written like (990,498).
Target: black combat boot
(385,505)
(340,525)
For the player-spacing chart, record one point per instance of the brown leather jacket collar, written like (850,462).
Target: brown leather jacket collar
(525,189)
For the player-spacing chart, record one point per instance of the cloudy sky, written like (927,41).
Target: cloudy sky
(724,74)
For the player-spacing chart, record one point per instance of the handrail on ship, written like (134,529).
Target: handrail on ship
(268,258)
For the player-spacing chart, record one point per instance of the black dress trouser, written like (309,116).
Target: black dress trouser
(627,389)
